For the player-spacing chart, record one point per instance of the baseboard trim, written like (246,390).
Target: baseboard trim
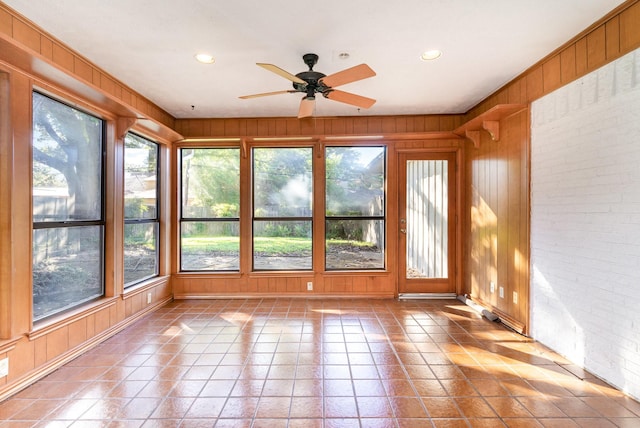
(222,296)
(426,296)
(54,364)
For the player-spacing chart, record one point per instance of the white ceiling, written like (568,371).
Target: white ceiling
(150,45)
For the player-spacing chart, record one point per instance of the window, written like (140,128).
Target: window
(68,217)
(282,208)
(355,208)
(141,217)
(210,209)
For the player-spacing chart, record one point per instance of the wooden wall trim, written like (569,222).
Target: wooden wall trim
(42,55)
(208,296)
(6,171)
(611,37)
(419,127)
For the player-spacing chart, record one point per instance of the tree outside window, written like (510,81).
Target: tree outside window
(210,209)
(142,222)
(68,219)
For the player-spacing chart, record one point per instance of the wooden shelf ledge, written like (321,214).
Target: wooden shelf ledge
(488,121)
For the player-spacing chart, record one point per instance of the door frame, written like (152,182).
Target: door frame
(455,227)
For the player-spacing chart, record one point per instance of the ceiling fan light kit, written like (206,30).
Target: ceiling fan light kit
(312,82)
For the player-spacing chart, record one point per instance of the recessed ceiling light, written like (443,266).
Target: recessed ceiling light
(205,58)
(431,55)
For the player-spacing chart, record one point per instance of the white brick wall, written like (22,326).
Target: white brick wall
(585,222)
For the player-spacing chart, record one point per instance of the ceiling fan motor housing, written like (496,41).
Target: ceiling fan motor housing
(312,85)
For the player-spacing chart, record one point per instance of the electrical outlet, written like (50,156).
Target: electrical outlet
(501,291)
(515,297)
(148,298)
(492,287)
(4,367)
(309,286)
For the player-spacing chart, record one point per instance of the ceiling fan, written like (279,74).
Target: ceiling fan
(312,82)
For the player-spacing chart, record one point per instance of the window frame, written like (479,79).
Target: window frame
(158,205)
(182,219)
(309,218)
(382,217)
(70,223)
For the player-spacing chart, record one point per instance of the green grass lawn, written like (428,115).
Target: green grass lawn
(266,245)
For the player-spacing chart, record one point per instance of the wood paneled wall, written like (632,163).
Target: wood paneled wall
(373,284)
(320,127)
(497,219)
(36,47)
(31,59)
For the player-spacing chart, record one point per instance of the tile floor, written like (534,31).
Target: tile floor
(318,363)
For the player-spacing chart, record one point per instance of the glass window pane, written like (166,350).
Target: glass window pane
(140,178)
(210,183)
(213,245)
(282,182)
(282,245)
(140,251)
(67,162)
(355,181)
(67,268)
(354,244)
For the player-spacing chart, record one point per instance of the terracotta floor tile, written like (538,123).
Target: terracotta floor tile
(474,407)
(408,407)
(340,407)
(206,407)
(239,408)
(374,407)
(273,407)
(318,363)
(172,408)
(441,407)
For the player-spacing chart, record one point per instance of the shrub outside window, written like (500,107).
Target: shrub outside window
(67,198)
(355,208)
(282,208)
(210,209)
(141,217)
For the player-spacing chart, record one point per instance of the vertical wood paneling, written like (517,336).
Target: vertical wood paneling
(26,35)
(568,64)
(629,28)
(535,83)
(612,38)
(62,57)
(497,246)
(596,48)
(46,48)
(551,71)
(6,24)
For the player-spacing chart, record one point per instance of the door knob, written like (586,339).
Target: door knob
(403,230)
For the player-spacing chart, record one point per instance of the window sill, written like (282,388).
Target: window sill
(144,286)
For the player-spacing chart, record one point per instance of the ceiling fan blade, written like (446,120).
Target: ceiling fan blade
(265,94)
(349,98)
(349,75)
(280,72)
(306,107)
